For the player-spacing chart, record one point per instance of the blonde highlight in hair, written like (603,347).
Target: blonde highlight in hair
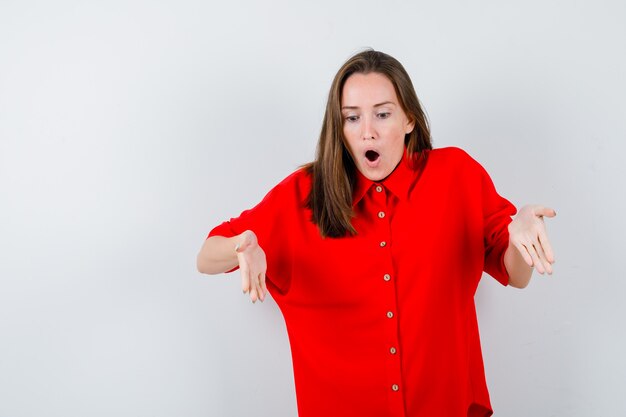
(333,170)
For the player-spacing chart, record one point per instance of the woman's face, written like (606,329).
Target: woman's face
(374,124)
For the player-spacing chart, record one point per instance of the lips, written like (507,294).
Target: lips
(372,158)
(372,155)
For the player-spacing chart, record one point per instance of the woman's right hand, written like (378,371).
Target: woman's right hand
(252,265)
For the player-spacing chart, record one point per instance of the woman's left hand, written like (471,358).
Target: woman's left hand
(527,232)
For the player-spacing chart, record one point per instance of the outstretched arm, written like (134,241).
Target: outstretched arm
(220,254)
(528,245)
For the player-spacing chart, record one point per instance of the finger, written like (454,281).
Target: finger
(545,244)
(545,211)
(263,286)
(242,246)
(255,292)
(245,276)
(524,252)
(542,257)
(257,286)
(536,261)
(245,240)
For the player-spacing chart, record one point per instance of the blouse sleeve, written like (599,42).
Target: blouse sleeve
(497,212)
(266,220)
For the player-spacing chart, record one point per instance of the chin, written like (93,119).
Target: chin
(376,176)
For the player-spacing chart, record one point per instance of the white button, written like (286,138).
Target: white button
(381,214)
(395,387)
(393,350)
(390,314)
(379,188)
(383,244)
(386,277)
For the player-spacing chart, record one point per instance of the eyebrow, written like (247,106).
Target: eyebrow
(375,105)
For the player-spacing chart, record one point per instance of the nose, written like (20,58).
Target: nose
(368,129)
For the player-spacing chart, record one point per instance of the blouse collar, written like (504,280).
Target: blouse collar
(399,182)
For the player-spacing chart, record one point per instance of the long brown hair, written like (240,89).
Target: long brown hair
(333,170)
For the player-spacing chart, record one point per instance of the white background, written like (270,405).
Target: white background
(129,129)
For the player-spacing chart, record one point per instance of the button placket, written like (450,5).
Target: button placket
(381,217)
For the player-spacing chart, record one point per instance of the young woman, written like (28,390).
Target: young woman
(373,253)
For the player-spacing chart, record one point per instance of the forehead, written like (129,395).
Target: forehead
(367,89)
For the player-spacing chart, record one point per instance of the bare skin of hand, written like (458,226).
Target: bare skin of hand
(252,264)
(527,232)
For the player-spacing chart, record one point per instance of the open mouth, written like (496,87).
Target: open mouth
(372,156)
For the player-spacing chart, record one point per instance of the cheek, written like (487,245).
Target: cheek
(396,133)
(398,140)
(349,129)
(349,136)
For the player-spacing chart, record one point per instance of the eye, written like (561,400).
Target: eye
(384,115)
(352,119)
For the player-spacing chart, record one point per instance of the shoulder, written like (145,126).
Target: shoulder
(297,180)
(299,177)
(451,153)
(294,187)
(453,157)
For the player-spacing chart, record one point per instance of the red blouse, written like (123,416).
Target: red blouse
(383,323)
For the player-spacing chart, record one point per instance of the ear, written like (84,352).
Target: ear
(410,125)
